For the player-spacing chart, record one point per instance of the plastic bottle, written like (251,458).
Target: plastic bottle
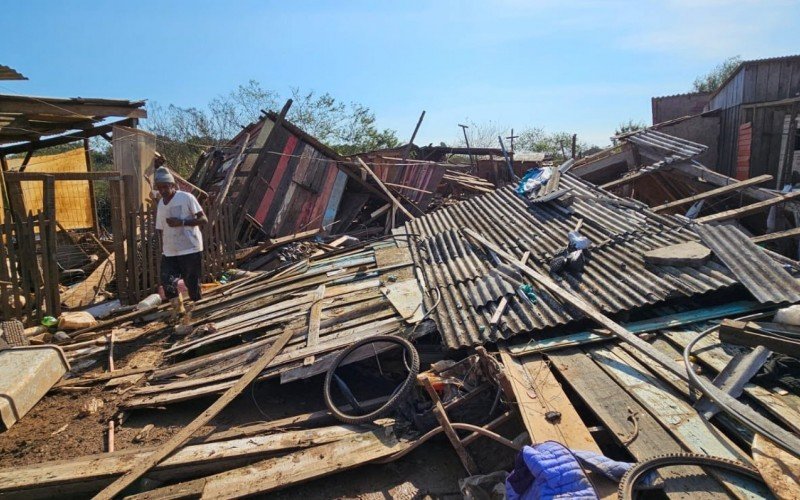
(149,302)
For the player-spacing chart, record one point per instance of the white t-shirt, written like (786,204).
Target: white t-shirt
(181,240)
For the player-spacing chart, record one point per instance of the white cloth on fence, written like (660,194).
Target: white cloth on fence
(181,240)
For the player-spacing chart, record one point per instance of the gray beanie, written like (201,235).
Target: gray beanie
(164,176)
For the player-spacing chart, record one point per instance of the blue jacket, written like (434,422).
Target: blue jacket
(550,470)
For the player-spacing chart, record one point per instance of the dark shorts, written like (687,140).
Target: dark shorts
(188,267)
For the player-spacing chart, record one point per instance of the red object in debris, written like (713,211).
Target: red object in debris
(743,151)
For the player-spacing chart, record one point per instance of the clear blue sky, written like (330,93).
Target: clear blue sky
(581,67)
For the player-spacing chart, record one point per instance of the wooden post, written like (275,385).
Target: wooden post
(574,144)
(49,247)
(441,416)
(116,194)
(88,155)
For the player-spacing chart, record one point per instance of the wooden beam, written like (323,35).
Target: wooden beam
(703,173)
(776,236)
(10,106)
(753,208)
(166,449)
(275,473)
(735,186)
(65,138)
(78,477)
(383,187)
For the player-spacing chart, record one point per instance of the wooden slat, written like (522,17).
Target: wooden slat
(748,209)
(184,434)
(795,231)
(614,407)
(735,186)
(289,470)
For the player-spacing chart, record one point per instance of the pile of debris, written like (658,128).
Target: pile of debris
(412,301)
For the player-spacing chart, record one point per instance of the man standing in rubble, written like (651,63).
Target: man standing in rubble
(179,217)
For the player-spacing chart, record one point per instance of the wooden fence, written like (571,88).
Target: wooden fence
(143,249)
(29,275)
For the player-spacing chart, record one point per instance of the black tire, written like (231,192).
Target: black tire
(628,481)
(399,393)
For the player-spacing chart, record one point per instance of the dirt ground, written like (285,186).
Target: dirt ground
(57,429)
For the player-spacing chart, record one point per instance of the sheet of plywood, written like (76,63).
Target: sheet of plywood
(73,201)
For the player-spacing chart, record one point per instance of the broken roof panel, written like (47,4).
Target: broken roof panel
(27,118)
(767,280)
(615,277)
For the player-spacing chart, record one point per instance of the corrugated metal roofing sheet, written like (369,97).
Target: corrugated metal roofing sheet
(614,279)
(760,274)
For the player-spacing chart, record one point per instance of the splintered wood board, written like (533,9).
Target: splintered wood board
(613,406)
(289,470)
(537,391)
(687,426)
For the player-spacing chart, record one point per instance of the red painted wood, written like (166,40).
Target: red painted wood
(280,170)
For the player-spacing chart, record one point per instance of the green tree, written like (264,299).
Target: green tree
(558,144)
(712,80)
(629,126)
(184,132)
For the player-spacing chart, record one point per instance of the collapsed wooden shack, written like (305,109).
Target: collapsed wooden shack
(499,293)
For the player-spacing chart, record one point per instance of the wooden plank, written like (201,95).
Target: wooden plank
(537,391)
(83,293)
(314,313)
(735,186)
(795,231)
(614,407)
(289,470)
(388,193)
(78,476)
(647,325)
(753,208)
(691,430)
(712,354)
(163,451)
